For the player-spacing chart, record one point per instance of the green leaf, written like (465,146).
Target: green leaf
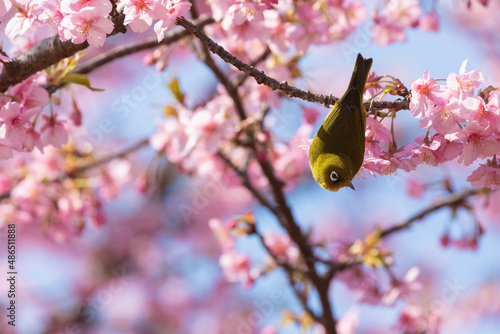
(79,79)
(175,88)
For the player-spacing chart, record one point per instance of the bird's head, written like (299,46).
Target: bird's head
(332,172)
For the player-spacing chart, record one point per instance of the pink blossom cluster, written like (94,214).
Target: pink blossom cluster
(283,24)
(460,123)
(397,15)
(417,319)
(235,264)
(192,139)
(22,126)
(87,20)
(370,286)
(60,207)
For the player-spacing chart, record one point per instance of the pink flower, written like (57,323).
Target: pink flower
(385,33)
(427,96)
(375,133)
(236,267)
(3,59)
(403,12)
(444,118)
(53,132)
(403,288)
(437,150)
(175,9)
(223,231)
(171,137)
(463,85)
(393,19)
(385,164)
(5,6)
(22,21)
(282,247)
(349,322)
(32,140)
(241,12)
(477,143)
(486,176)
(411,320)
(277,28)
(49,12)
(486,115)
(269,330)
(76,6)
(429,22)
(291,161)
(5,151)
(343,19)
(414,188)
(112,178)
(5,183)
(208,127)
(219,8)
(30,95)
(311,115)
(17,123)
(139,14)
(86,25)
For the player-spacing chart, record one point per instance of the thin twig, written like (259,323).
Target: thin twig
(453,200)
(240,79)
(274,84)
(128,49)
(287,220)
(230,89)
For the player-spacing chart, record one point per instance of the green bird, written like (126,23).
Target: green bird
(337,151)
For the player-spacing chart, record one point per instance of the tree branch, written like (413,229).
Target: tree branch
(274,84)
(48,52)
(453,201)
(125,50)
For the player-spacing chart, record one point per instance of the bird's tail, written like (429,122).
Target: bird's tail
(360,74)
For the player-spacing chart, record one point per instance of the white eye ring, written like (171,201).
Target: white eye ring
(334,176)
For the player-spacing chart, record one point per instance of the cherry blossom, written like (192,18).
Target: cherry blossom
(477,142)
(415,188)
(86,25)
(175,9)
(53,131)
(223,231)
(393,19)
(282,247)
(429,22)
(486,176)
(403,288)
(139,14)
(427,96)
(485,114)
(5,6)
(236,267)
(76,6)
(465,83)
(434,151)
(23,20)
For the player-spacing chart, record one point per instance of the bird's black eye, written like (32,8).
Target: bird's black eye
(334,176)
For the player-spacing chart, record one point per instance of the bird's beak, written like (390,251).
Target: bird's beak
(350,185)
